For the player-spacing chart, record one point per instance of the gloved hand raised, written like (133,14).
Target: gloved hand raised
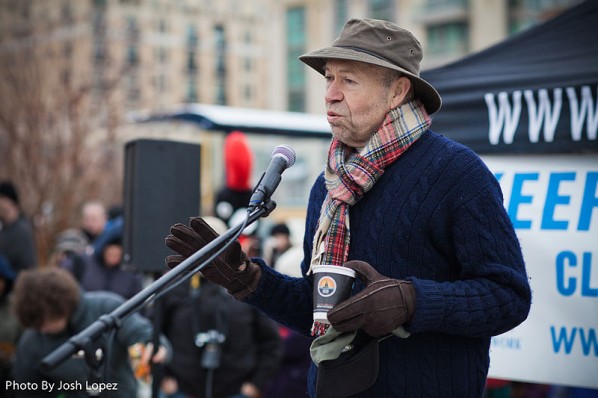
(231,269)
(384,304)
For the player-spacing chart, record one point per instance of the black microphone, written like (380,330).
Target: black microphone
(283,157)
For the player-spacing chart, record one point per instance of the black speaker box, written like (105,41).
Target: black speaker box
(161,188)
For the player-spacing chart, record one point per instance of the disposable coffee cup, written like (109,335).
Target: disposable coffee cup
(332,284)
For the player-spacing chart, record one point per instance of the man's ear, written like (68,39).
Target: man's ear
(401,90)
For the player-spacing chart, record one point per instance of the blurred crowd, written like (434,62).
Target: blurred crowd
(215,346)
(208,344)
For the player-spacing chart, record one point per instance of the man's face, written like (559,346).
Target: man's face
(113,255)
(281,241)
(94,219)
(357,100)
(8,210)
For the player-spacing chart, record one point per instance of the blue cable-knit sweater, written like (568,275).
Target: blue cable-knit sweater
(436,218)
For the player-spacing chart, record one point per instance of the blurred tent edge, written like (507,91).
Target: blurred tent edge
(253,121)
(547,74)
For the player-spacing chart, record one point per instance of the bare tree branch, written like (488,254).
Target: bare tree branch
(55,145)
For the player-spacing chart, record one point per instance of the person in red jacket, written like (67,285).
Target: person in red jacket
(232,199)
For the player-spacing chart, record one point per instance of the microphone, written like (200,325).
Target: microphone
(283,157)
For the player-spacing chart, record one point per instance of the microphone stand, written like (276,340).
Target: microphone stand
(182,271)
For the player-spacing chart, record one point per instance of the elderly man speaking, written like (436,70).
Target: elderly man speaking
(420,219)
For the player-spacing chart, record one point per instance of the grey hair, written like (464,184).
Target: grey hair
(392,75)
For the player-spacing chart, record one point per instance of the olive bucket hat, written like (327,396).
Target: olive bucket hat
(379,43)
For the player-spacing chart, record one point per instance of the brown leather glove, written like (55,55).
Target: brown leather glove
(231,269)
(384,304)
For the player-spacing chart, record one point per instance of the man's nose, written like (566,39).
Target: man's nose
(333,93)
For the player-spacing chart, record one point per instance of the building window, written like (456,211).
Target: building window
(219,37)
(191,90)
(191,36)
(133,89)
(161,54)
(341,15)
(161,83)
(296,43)
(248,93)
(448,39)
(68,49)
(162,26)
(220,64)
(132,29)
(99,24)
(67,13)
(99,50)
(66,77)
(132,55)
(220,93)
(247,64)
(220,68)
(191,63)
(524,14)
(382,9)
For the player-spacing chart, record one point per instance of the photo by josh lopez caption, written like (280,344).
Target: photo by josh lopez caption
(48,386)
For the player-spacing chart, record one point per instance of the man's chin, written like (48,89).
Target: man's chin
(339,133)
(345,140)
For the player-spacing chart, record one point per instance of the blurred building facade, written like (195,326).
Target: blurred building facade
(155,53)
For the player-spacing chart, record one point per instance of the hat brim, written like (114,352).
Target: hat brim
(424,90)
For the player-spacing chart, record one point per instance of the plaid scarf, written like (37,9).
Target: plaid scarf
(349,175)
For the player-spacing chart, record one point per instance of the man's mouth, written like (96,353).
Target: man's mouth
(332,116)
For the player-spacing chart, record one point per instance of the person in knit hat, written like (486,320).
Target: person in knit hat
(417,216)
(17,241)
(69,251)
(104,268)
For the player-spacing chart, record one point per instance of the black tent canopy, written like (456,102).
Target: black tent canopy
(536,92)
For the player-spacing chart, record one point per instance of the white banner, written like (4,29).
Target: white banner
(553,204)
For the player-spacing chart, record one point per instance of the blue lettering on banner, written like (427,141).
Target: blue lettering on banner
(510,343)
(567,286)
(566,339)
(518,198)
(589,202)
(555,198)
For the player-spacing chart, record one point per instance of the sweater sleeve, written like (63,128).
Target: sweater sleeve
(286,299)
(488,293)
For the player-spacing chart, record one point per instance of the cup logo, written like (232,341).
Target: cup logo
(326,286)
